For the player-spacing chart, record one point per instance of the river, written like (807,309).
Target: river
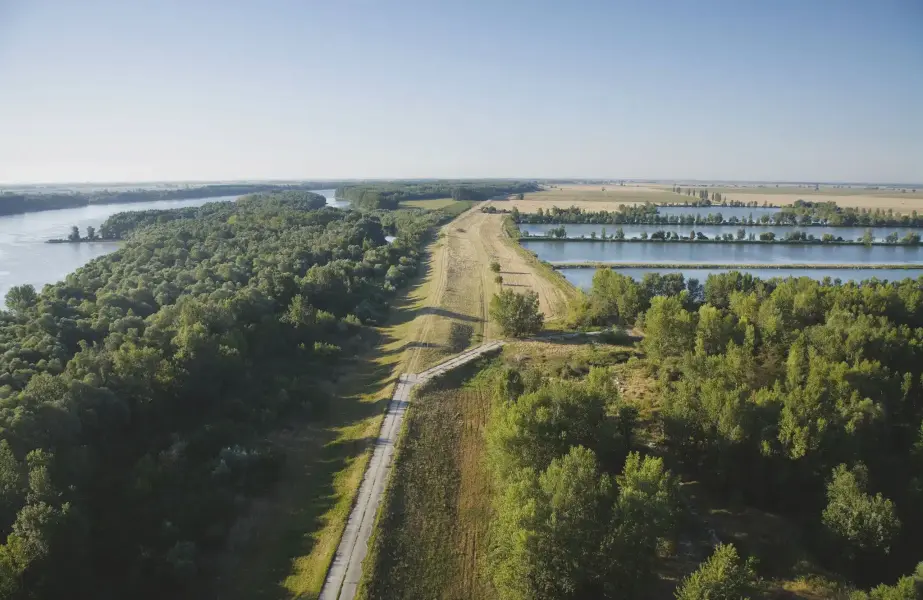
(26,258)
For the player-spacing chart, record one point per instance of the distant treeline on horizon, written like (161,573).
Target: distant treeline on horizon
(389,195)
(12,204)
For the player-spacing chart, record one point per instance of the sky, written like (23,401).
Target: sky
(148,90)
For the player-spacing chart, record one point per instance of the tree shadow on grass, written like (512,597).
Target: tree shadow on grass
(266,553)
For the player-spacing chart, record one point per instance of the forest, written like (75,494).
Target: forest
(792,396)
(389,195)
(803,214)
(11,204)
(136,395)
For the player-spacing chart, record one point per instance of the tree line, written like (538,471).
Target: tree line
(791,237)
(805,214)
(387,196)
(135,395)
(17,203)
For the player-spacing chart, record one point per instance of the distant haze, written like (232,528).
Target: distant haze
(712,90)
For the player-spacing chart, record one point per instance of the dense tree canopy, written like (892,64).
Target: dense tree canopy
(133,394)
(799,397)
(388,195)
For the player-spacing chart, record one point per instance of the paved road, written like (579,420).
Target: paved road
(346,570)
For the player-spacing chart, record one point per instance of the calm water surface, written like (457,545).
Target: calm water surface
(633,231)
(719,253)
(583,278)
(26,258)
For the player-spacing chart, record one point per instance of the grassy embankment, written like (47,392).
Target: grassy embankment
(511,238)
(430,538)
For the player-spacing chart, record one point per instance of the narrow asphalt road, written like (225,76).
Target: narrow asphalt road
(346,569)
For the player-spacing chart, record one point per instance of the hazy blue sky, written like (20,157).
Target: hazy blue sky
(163,89)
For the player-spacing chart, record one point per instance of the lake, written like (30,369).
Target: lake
(26,258)
(583,278)
(741,212)
(632,231)
(721,253)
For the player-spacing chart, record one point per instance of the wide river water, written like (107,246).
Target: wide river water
(633,231)
(721,253)
(583,278)
(26,258)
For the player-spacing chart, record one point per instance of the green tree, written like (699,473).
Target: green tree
(722,577)
(74,235)
(865,523)
(669,329)
(545,538)
(21,298)
(91,232)
(867,238)
(494,266)
(645,513)
(517,314)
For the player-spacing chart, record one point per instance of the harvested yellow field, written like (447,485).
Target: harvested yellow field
(591,197)
(849,197)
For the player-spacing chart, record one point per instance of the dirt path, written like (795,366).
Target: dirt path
(463,284)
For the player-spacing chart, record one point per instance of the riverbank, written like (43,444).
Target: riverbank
(81,241)
(815,242)
(660,266)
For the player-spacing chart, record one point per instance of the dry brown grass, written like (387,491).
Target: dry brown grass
(434,526)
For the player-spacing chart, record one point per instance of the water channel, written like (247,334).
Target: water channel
(708,253)
(583,278)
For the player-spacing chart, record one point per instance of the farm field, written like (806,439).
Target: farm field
(591,197)
(289,539)
(890,199)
